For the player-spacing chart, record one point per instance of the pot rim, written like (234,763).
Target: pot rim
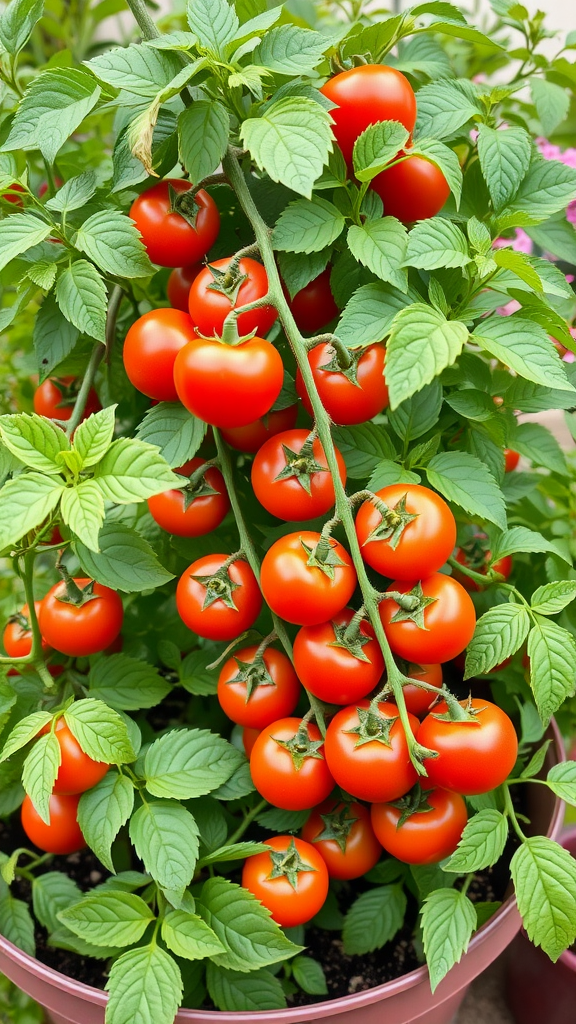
(329,1007)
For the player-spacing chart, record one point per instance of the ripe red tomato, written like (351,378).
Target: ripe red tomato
(255,695)
(202,515)
(301,592)
(427,836)
(364,96)
(511,459)
(425,542)
(55,399)
(77,771)
(209,308)
(309,491)
(150,350)
(448,623)
(228,385)
(291,880)
(313,307)
(283,773)
(347,403)
(18,634)
(171,241)
(11,198)
(343,835)
(503,566)
(330,671)
(63,834)
(179,283)
(376,769)
(418,700)
(474,757)
(251,437)
(223,608)
(43,186)
(414,189)
(79,630)
(249,737)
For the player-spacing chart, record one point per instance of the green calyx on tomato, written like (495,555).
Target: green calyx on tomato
(393,523)
(73,593)
(323,556)
(301,464)
(343,360)
(253,674)
(197,486)
(372,726)
(413,802)
(338,824)
(219,586)
(458,711)
(301,746)
(411,606)
(227,282)
(350,636)
(288,863)
(184,203)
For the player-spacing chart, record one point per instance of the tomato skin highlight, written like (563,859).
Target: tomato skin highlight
(17,639)
(372,771)
(332,673)
(416,699)
(448,623)
(300,593)
(205,512)
(426,837)
(314,306)
(426,542)
(251,437)
(228,386)
(288,907)
(179,284)
(362,847)
(150,349)
(287,499)
(474,757)
(209,308)
(266,703)
(275,776)
(169,239)
(412,190)
(511,460)
(48,396)
(218,622)
(346,403)
(79,631)
(364,96)
(63,834)
(78,772)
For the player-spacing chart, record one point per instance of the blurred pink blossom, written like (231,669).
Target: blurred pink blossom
(521,242)
(509,308)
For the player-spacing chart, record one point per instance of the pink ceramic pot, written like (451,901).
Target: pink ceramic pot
(407,1000)
(538,991)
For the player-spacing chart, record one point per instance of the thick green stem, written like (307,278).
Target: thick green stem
(80,404)
(246,822)
(35,657)
(509,806)
(143,19)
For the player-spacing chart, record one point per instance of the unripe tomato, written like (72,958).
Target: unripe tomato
(77,771)
(255,695)
(251,437)
(202,515)
(63,834)
(283,773)
(179,283)
(449,621)
(209,308)
(221,609)
(292,897)
(313,307)
(416,699)
(56,398)
(347,402)
(298,590)
(309,491)
(17,636)
(79,630)
(511,459)
(150,350)
(344,837)
(171,241)
(414,189)
(330,671)
(428,835)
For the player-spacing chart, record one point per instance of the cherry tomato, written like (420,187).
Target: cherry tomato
(418,700)
(289,780)
(14,199)
(343,835)
(330,671)
(414,189)
(209,308)
(202,515)
(298,893)
(255,695)
(212,616)
(364,96)
(370,769)
(228,385)
(428,835)
(55,399)
(313,307)
(301,592)
(251,437)
(79,630)
(63,834)
(43,187)
(179,283)
(150,350)
(511,459)
(77,771)
(503,566)
(170,239)
(425,542)
(18,634)
(346,402)
(249,737)
(448,623)
(474,756)
(309,491)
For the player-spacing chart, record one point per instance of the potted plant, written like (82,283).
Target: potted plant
(253,532)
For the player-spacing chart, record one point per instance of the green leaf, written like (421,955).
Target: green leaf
(93,437)
(238,785)
(374,919)
(363,447)
(388,472)
(381,246)
(52,893)
(214,23)
(17,21)
(188,936)
(422,343)
(244,926)
(481,844)
(518,264)
(108,918)
(113,242)
(54,337)
(464,479)
(376,146)
(309,975)
(43,275)
(520,538)
(298,270)
(173,430)
(18,233)
(417,414)
(369,314)
(100,731)
(203,136)
(547,188)
(444,158)
(133,470)
(536,762)
(307,226)
(552,654)
(35,441)
(81,295)
(291,141)
(504,158)
(24,731)
(562,780)
(16,923)
(544,876)
(278,820)
(233,851)
(74,194)
(289,50)
(556,236)
(188,763)
(258,24)
(498,634)
(234,991)
(126,561)
(538,444)
(127,684)
(145,986)
(82,510)
(102,812)
(553,597)
(24,503)
(436,243)
(165,837)
(140,70)
(552,103)
(444,107)
(54,106)
(474,405)
(524,347)
(39,773)
(448,920)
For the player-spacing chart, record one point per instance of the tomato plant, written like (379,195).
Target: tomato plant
(226,285)
(198,508)
(350,393)
(218,598)
(423,828)
(291,478)
(291,880)
(336,667)
(256,688)
(343,835)
(177,228)
(305,583)
(150,351)
(80,618)
(435,621)
(63,834)
(288,765)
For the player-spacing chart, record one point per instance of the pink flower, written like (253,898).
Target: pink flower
(571,211)
(520,243)
(509,308)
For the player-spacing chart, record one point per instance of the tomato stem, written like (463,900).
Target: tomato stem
(511,813)
(246,822)
(80,404)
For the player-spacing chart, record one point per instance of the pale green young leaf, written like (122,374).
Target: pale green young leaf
(34,440)
(544,876)
(24,731)
(214,23)
(422,343)
(145,987)
(448,920)
(93,437)
(518,264)
(499,633)
(552,654)
(81,295)
(291,141)
(504,158)
(436,243)
(100,731)
(552,103)
(126,561)
(562,780)
(43,275)
(133,470)
(481,844)
(552,598)
(102,812)
(203,136)
(54,106)
(381,246)
(376,147)
(188,936)
(307,226)
(108,918)
(290,50)
(17,22)
(25,502)
(137,69)
(39,773)
(82,509)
